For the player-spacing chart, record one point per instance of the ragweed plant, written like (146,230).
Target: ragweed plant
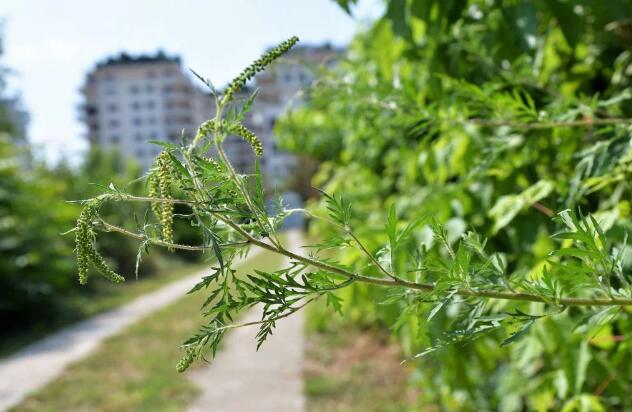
(85,246)
(585,272)
(159,184)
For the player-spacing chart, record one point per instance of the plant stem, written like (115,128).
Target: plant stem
(398,282)
(240,185)
(273,319)
(348,231)
(517,296)
(113,228)
(370,255)
(589,122)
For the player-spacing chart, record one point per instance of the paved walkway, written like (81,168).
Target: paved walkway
(243,380)
(36,365)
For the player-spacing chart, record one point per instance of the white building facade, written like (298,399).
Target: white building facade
(131,100)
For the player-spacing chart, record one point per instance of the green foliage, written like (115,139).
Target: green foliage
(489,117)
(473,125)
(38,284)
(36,269)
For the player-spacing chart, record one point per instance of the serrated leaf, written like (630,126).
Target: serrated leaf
(440,305)
(518,334)
(335,302)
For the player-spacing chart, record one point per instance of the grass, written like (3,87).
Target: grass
(135,370)
(353,370)
(105,295)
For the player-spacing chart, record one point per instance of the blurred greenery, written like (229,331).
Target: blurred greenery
(485,115)
(38,281)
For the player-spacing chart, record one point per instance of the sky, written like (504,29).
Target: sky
(51,45)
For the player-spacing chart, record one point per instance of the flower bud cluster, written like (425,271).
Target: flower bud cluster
(250,137)
(216,165)
(159,184)
(186,361)
(153,190)
(208,126)
(86,251)
(205,129)
(257,66)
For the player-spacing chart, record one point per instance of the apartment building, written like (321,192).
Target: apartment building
(132,100)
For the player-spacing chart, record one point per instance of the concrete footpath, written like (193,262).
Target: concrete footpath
(240,379)
(37,364)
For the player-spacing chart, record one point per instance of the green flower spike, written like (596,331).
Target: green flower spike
(257,66)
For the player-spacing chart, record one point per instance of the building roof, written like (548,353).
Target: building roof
(307,48)
(125,58)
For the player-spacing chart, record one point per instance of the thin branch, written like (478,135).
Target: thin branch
(543,209)
(113,228)
(370,255)
(241,186)
(132,198)
(517,296)
(588,122)
(273,319)
(350,233)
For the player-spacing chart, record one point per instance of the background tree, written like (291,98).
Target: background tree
(37,272)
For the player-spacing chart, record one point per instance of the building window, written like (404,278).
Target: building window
(138,137)
(151,104)
(150,74)
(90,110)
(137,121)
(134,89)
(135,105)
(110,90)
(140,153)
(115,139)
(112,107)
(149,88)
(168,89)
(113,123)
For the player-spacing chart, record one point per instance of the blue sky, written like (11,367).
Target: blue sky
(52,44)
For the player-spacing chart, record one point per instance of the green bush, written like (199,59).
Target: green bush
(492,117)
